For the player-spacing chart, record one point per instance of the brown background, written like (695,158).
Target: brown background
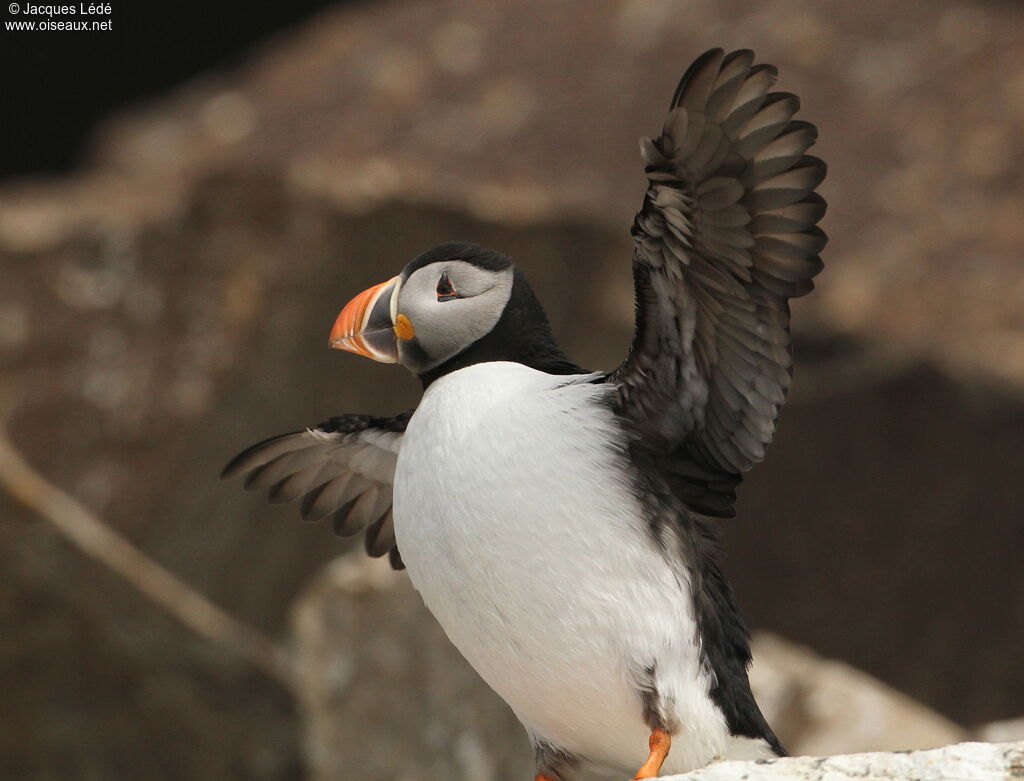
(168,303)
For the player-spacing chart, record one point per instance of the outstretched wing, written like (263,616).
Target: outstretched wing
(344,468)
(726,236)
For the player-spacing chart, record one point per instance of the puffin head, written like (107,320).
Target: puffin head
(455,305)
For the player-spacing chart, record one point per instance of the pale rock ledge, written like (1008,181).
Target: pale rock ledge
(958,762)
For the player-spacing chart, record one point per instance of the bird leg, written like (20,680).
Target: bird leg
(542,777)
(660,742)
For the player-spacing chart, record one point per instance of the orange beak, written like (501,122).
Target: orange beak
(366,326)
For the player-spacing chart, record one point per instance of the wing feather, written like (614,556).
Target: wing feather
(343,469)
(725,237)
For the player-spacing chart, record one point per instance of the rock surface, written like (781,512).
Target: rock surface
(960,762)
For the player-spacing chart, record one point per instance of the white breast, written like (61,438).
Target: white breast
(517,523)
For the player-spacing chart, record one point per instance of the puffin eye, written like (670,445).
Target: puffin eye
(445,289)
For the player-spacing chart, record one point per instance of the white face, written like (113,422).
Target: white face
(450,304)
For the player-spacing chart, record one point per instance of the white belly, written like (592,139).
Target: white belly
(518,527)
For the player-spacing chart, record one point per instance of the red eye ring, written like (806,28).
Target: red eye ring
(445,289)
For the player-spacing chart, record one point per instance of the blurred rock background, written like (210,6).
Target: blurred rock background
(166,303)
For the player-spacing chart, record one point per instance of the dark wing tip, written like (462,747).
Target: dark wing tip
(380,536)
(243,462)
(306,508)
(340,519)
(395,559)
(697,67)
(732,56)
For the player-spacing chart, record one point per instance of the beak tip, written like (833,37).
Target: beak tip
(364,326)
(347,343)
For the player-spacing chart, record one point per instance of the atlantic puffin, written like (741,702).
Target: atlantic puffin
(558,522)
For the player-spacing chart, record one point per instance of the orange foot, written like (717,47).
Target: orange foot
(660,742)
(542,777)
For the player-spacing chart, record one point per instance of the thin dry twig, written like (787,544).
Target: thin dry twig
(99,541)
